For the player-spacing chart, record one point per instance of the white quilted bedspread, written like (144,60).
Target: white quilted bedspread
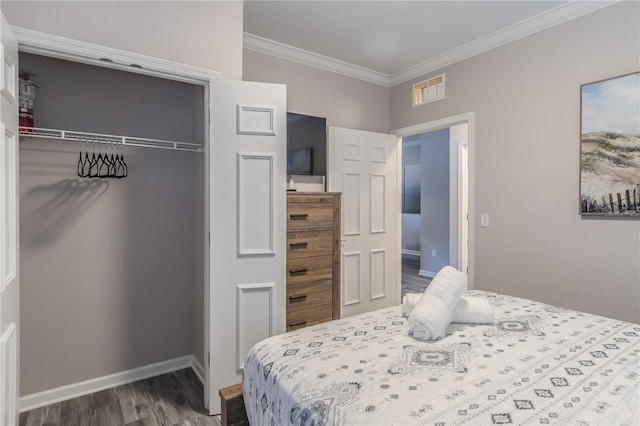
(538,364)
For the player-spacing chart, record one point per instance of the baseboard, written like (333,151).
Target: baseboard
(411,252)
(41,399)
(197,368)
(428,274)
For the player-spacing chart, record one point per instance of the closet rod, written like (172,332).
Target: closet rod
(36,132)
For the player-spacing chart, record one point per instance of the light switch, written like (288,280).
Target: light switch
(484,219)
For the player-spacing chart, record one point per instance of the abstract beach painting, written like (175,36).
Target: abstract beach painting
(610,147)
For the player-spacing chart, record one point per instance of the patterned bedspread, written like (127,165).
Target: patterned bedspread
(538,364)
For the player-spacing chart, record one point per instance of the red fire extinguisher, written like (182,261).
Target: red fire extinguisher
(27,94)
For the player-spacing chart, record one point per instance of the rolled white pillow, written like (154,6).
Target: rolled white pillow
(469,310)
(473,310)
(409,301)
(433,312)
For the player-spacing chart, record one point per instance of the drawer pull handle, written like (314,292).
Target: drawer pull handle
(295,324)
(298,246)
(297,298)
(298,271)
(298,216)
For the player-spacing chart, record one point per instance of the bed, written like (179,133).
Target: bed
(537,364)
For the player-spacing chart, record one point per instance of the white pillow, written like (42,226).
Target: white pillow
(433,312)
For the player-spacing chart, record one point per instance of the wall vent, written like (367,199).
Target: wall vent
(428,90)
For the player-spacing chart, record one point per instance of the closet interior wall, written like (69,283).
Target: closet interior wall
(111,268)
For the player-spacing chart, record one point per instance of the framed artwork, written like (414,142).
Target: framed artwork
(610,147)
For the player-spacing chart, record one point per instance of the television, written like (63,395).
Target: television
(300,161)
(306,145)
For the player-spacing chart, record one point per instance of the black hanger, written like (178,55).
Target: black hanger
(112,163)
(79,167)
(83,162)
(93,163)
(103,168)
(120,166)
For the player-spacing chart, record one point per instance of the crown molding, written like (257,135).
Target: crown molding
(537,23)
(562,13)
(54,46)
(294,54)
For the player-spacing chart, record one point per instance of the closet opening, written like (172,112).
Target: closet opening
(112,269)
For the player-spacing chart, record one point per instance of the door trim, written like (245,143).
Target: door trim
(470,119)
(50,45)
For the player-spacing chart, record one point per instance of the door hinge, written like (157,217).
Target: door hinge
(209,359)
(209,239)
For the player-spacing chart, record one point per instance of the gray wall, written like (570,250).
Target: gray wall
(526,96)
(74,96)
(109,267)
(344,101)
(411,221)
(434,200)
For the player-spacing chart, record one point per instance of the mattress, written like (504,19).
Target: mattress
(537,364)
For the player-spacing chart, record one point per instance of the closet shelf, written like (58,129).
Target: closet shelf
(35,132)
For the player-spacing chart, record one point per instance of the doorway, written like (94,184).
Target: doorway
(458,150)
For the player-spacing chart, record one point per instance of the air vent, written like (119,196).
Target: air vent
(428,90)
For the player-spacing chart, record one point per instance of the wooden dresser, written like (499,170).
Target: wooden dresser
(313,258)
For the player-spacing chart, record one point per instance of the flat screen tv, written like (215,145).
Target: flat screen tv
(300,161)
(306,145)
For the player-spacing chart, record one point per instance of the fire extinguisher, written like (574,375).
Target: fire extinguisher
(27,94)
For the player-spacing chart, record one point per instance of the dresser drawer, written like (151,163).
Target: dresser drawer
(305,269)
(309,243)
(309,216)
(307,317)
(305,296)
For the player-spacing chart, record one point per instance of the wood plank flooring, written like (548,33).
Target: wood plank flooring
(173,399)
(411,281)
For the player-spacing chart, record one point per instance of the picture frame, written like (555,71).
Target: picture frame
(610,147)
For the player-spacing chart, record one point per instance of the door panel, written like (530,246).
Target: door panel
(247,203)
(362,165)
(9,241)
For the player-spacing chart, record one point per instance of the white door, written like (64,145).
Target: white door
(9,273)
(247,200)
(363,166)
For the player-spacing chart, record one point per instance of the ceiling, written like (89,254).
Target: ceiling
(389,39)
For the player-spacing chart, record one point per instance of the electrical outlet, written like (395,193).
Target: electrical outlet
(433,252)
(484,219)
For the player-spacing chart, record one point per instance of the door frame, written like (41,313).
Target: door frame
(470,119)
(49,45)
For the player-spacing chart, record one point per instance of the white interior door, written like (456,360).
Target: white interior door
(247,204)
(9,271)
(363,166)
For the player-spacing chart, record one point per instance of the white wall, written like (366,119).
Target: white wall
(526,96)
(344,101)
(207,34)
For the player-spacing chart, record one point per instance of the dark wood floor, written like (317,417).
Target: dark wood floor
(173,399)
(411,281)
